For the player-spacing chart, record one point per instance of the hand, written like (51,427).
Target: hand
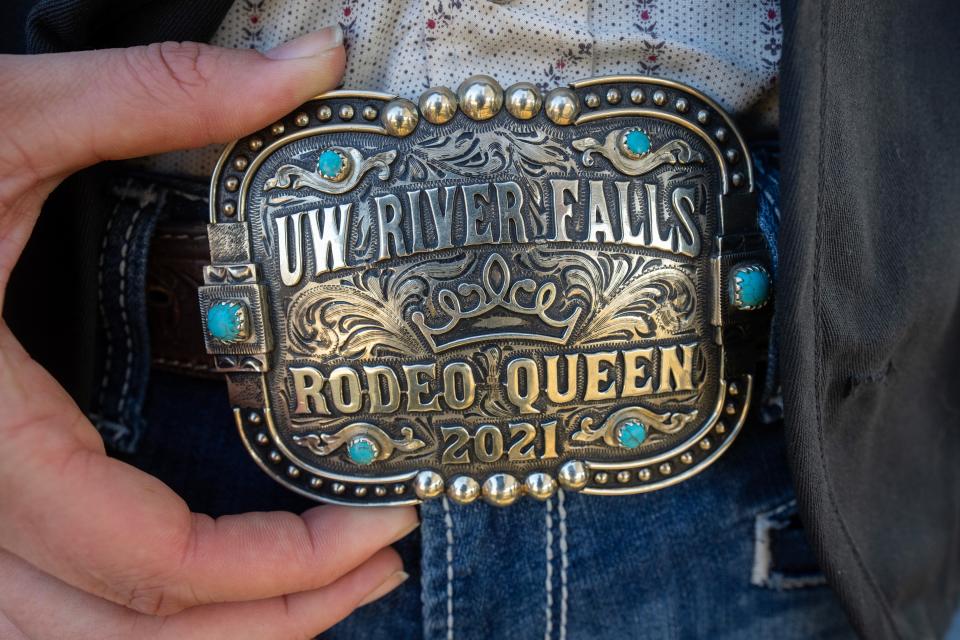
(91,547)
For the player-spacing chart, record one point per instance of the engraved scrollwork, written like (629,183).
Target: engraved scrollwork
(673,152)
(291,176)
(626,296)
(324,444)
(668,423)
(364,315)
(484,153)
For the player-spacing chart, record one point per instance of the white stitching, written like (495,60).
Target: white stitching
(550,562)
(449,523)
(564,562)
(104,382)
(127,333)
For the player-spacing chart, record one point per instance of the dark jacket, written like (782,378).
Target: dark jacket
(869,283)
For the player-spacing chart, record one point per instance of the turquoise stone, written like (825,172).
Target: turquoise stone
(631,434)
(224,322)
(362,450)
(330,164)
(749,288)
(637,142)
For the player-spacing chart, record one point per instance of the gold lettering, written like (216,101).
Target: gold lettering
(633,373)
(523,401)
(345,390)
(307,383)
(383,387)
(452,373)
(416,388)
(596,375)
(488,443)
(676,370)
(553,378)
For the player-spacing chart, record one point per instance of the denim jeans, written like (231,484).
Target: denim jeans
(722,555)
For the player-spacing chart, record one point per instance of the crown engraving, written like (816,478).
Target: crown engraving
(497,290)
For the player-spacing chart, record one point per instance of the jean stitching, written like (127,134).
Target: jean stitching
(448,521)
(548,518)
(564,563)
(104,381)
(124,316)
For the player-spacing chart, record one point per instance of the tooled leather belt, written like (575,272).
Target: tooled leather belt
(489,294)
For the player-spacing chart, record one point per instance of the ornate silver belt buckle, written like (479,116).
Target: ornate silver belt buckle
(489,294)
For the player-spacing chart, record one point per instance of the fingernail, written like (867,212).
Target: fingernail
(307,46)
(395,579)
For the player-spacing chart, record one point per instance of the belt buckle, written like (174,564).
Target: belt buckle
(489,294)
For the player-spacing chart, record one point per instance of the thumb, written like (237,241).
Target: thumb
(75,109)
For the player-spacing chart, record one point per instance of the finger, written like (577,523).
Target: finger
(300,615)
(68,110)
(42,607)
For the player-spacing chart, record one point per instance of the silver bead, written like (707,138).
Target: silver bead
(643,474)
(346,112)
(428,484)
(732,156)
(703,116)
(592,100)
(686,458)
(540,485)
(737,179)
(369,112)
(438,105)
(301,120)
(240,163)
(601,477)
(659,98)
(523,100)
(501,490)
(480,97)
(721,134)
(613,96)
(705,444)
(573,475)
(636,96)
(463,490)
(400,117)
(561,106)
(682,105)
(324,113)
(262,438)
(623,477)
(666,469)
